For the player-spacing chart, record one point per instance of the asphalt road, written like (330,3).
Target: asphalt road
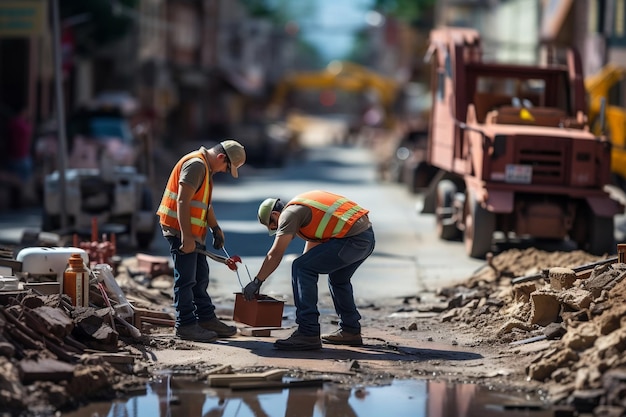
(408,257)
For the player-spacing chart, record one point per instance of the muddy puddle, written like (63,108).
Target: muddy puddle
(171,396)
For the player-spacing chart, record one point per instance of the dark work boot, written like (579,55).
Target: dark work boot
(215,325)
(298,341)
(195,333)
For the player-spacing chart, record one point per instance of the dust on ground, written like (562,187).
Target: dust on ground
(562,333)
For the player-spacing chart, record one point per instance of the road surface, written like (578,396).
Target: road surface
(408,257)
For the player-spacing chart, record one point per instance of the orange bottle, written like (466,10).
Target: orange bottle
(76,281)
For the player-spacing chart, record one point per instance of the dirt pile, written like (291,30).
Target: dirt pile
(581,315)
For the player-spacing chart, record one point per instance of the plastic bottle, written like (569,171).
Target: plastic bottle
(76,281)
(104,274)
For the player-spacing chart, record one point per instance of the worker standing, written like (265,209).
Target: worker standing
(339,237)
(185,215)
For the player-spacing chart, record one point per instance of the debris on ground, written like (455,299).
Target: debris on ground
(582,314)
(55,356)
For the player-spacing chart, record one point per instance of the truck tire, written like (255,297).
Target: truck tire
(601,236)
(479,227)
(444,212)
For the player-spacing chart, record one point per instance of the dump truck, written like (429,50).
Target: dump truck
(513,150)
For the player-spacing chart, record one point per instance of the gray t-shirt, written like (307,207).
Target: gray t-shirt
(296,216)
(192,173)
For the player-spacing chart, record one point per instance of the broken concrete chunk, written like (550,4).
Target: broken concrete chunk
(575,298)
(521,292)
(87,381)
(542,369)
(599,282)
(545,308)
(561,278)
(554,331)
(582,337)
(55,320)
(615,341)
(45,369)
(614,381)
(611,319)
(95,324)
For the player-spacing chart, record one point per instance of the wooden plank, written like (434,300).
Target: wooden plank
(112,358)
(157,318)
(251,331)
(241,386)
(225,380)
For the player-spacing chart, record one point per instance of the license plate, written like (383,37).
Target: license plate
(518,174)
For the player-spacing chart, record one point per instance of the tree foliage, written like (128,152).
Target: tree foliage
(407,10)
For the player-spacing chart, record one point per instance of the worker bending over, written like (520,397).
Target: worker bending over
(339,237)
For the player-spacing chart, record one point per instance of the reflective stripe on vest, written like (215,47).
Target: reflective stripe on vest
(333,215)
(199,204)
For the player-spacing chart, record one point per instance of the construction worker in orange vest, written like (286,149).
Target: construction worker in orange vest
(339,237)
(186,214)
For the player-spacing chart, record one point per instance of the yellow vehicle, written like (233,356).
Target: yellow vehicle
(608,84)
(339,75)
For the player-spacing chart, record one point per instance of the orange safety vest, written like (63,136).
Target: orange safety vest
(199,202)
(333,215)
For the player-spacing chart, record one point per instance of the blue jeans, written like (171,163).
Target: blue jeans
(339,258)
(191,281)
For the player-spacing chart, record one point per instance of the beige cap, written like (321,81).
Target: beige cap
(236,155)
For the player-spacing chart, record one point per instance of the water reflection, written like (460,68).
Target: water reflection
(176,397)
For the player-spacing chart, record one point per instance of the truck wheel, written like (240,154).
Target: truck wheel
(479,227)
(444,213)
(601,235)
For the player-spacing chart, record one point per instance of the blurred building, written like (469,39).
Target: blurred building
(514,29)
(196,66)
(203,69)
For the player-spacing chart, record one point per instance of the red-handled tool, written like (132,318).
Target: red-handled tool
(230,262)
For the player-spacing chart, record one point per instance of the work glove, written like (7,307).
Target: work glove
(252,289)
(218,237)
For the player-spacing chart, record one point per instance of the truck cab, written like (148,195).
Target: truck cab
(514,149)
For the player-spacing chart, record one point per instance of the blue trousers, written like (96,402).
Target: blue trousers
(339,258)
(191,281)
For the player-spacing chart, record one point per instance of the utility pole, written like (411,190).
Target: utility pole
(60,113)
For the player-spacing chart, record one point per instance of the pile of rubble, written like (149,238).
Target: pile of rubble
(572,302)
(55,356)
